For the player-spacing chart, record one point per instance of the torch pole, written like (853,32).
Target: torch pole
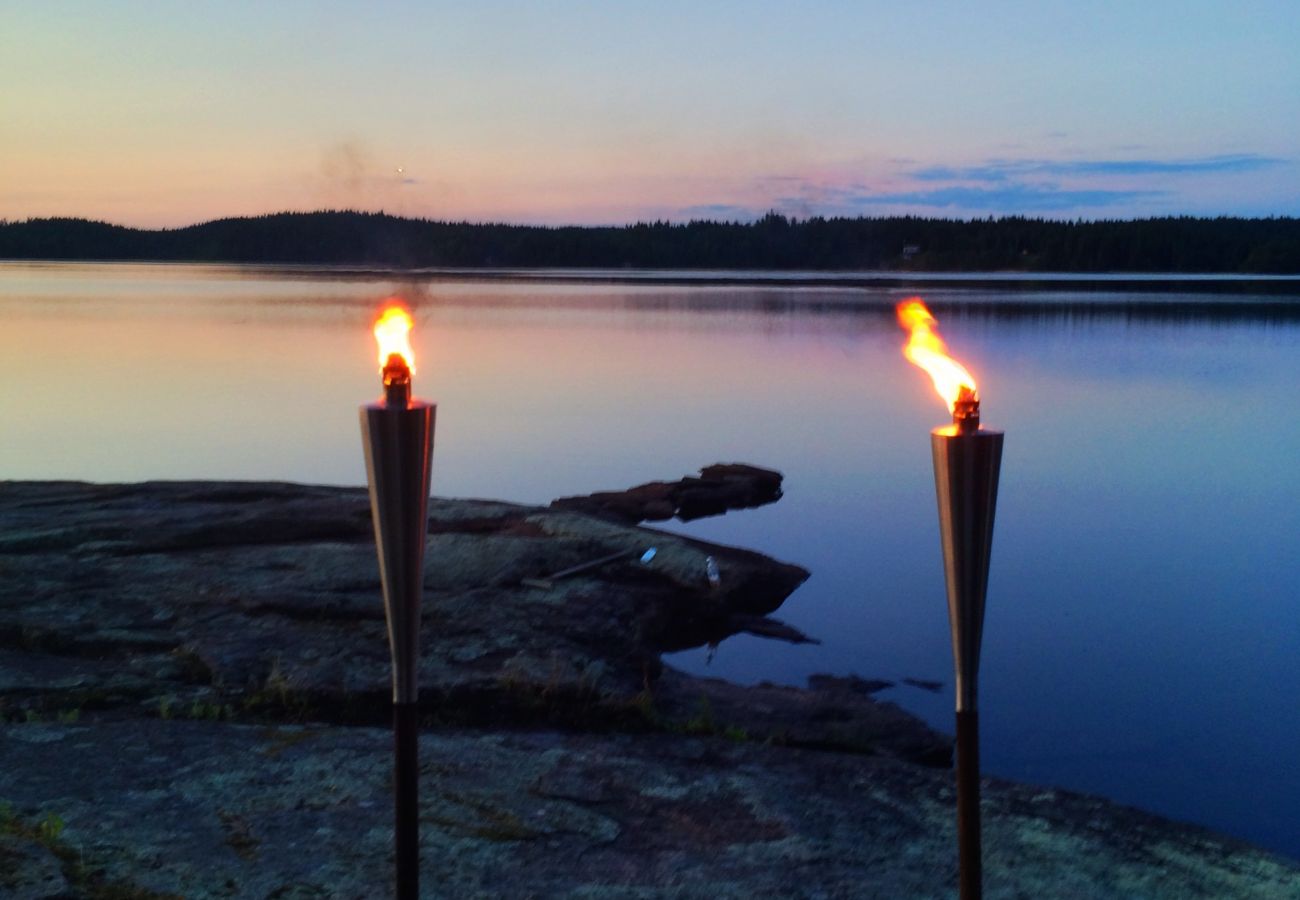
(406,795)
(397,436)
(969,853)
(967,460)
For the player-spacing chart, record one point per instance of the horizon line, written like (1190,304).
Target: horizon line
(671,221)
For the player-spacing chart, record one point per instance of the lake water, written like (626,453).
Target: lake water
(1143,627)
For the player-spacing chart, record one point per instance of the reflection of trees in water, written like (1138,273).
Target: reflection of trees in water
(1110,308)
(1138,311)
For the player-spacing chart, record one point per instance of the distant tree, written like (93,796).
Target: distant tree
(774,241)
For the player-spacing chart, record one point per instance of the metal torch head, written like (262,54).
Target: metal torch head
(966,464)
(398,442)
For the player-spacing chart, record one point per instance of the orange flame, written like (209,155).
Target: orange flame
(393,333)
(927,350)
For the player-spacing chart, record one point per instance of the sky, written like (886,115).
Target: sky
(164,114)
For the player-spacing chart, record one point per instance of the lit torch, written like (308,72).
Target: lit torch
(397,435)
(966,463)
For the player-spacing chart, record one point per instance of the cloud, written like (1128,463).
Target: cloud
(1246,162)
(997,186)
(997,171)
(992,172)
(1006,199)
(1012,198)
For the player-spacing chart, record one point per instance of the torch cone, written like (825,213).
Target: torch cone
(398,443)
(966,465)
(397,437)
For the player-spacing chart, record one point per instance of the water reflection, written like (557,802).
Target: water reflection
(1149,517)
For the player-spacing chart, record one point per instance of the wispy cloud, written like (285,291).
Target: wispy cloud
(1006,199)
(1011,198)
(1207,165)
(996,186)
(997,171)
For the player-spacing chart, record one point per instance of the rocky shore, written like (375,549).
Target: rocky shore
(194,692)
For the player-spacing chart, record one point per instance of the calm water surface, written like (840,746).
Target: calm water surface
(1143,631)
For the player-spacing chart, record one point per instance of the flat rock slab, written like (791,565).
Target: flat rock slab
(830,714)
(202,809)
(719,488)
(262,599)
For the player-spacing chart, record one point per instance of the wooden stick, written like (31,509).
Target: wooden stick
(549,581)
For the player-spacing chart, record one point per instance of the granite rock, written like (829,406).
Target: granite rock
(212,809)
(717,489)
(191,675)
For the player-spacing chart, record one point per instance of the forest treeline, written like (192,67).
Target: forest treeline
(1181,244)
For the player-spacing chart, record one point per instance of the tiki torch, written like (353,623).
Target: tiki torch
(397,435)
(966,463)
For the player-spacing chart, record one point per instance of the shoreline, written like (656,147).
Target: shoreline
(1014,280)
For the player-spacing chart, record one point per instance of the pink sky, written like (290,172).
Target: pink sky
(597,113)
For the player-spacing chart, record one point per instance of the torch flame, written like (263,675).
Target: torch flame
(393,333)
(926,349)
